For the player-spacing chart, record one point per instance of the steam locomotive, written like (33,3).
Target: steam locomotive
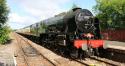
(77,31)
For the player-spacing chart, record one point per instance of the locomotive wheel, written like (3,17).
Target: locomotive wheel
(62,50)
(97,52)
(74,54)
(101,52)
(89,52)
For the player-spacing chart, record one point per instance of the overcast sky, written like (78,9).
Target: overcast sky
(26,12)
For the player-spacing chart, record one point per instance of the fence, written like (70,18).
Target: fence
(115,35)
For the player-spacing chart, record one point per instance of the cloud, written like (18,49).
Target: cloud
(36,10)
(23,20)
(42,8)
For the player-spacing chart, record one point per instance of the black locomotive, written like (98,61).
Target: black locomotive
(76,31)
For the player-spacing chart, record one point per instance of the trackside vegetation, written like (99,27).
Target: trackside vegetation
(111,13)
(4,29)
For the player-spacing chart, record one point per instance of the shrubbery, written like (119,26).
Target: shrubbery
(4,30)
(4,34)
(111,13)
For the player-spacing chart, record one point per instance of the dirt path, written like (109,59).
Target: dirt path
(7,53)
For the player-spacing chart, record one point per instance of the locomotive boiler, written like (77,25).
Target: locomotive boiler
(76,31)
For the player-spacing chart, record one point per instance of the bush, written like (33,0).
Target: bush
(4,30)
(4,34)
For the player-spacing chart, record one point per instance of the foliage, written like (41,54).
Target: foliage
(3,12)
(4,30)
(111,13)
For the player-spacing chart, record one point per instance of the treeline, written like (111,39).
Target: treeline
(111,13)
(4,29)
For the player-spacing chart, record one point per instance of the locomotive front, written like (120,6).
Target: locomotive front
(87,33)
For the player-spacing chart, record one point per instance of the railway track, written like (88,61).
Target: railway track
(97,61)
(107,61)
(31,56)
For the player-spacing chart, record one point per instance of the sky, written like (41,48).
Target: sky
(26,12)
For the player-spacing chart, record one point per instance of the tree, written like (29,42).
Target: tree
(4,30)
(111,13)
(3,12)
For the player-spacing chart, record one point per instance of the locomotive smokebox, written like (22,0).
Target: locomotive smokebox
(84,21)
(79,19)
